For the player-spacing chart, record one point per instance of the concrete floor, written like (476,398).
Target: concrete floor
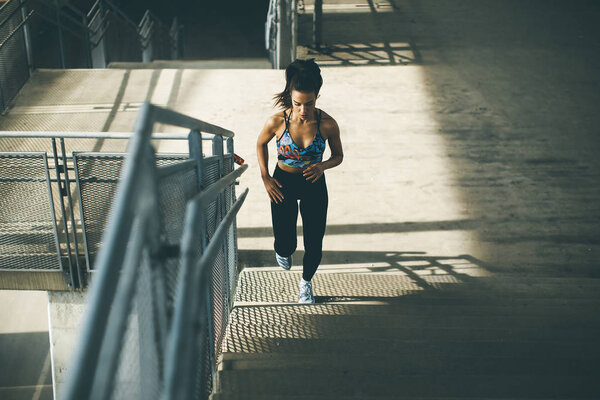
(471,133)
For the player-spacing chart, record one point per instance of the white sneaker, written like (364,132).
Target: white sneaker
(284,262)
(306,292)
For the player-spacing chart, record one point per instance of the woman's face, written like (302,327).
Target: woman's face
(303,104)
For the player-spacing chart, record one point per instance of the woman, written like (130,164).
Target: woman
(301,131)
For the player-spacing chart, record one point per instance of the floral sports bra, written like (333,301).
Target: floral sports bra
(292,155)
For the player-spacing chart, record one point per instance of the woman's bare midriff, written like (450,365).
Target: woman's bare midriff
(287,168)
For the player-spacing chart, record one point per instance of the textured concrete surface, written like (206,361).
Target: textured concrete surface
(66,311)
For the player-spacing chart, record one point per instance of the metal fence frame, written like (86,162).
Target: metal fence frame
(185,345)
(65,200)
(83,40)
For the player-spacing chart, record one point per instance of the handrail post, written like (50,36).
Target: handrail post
(176,35)
(218,151)
(231,241)
(88,41)
(294,29)
(195,146)
(283,35)
(61,45)
(27,34)
(317,24)
(98,51)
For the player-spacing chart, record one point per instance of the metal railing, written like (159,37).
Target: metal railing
(55,203)
(281,32)
(49,34)
(160,299)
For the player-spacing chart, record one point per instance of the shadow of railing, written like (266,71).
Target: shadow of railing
(358,33)
(359,275)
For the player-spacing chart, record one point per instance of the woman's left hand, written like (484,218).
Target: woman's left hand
(313,172)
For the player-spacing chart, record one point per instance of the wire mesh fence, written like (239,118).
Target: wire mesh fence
(14,67)
(29,236)
(52,34)
(97,176)
(160,295)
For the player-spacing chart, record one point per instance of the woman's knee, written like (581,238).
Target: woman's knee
(285,248)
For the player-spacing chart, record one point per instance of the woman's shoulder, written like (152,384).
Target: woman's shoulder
(328,124)
(275,121)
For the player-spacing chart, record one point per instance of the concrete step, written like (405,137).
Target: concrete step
(397,317)
(396,331)
(334,286)
(427,304)
(528,347)
(245,396)
(428,363)
(218,63)
(389,383)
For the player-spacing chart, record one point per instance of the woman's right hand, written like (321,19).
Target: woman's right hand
(272,186)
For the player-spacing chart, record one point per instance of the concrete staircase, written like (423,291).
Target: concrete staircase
(477,337)
(461,254)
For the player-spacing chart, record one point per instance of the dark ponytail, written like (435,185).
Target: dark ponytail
(301,75)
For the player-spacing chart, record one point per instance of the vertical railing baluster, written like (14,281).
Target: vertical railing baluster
(71,207)
(317,24)
(27,34)
(62,189)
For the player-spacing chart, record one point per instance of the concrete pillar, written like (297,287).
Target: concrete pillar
(65,316)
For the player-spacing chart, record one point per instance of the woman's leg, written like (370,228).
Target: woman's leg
(285,216)
(313,207)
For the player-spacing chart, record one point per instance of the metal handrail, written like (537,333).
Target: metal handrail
(113,8)
(12,33)
(89,135)
(179,356)
(52,21)
(13,12)
(106,135)
(137,184)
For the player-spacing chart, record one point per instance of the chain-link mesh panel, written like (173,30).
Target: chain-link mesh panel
(203,364)
(231,239)
(174,192)
(221,269)
(14,69)
(98,175)
(27,239)
(138,375)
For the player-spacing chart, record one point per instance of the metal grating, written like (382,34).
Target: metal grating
(138,374)
(97,175)
(174,192)
(27,239)
(282,286)
(14,69)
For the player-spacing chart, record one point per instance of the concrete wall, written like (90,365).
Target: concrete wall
(65,312)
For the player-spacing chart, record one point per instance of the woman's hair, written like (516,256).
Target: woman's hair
(301,75)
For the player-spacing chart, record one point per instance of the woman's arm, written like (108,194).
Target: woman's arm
(262,153)
(332,131)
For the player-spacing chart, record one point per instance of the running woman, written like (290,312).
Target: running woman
(301,131)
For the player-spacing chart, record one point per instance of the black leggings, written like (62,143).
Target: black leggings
(313,208)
